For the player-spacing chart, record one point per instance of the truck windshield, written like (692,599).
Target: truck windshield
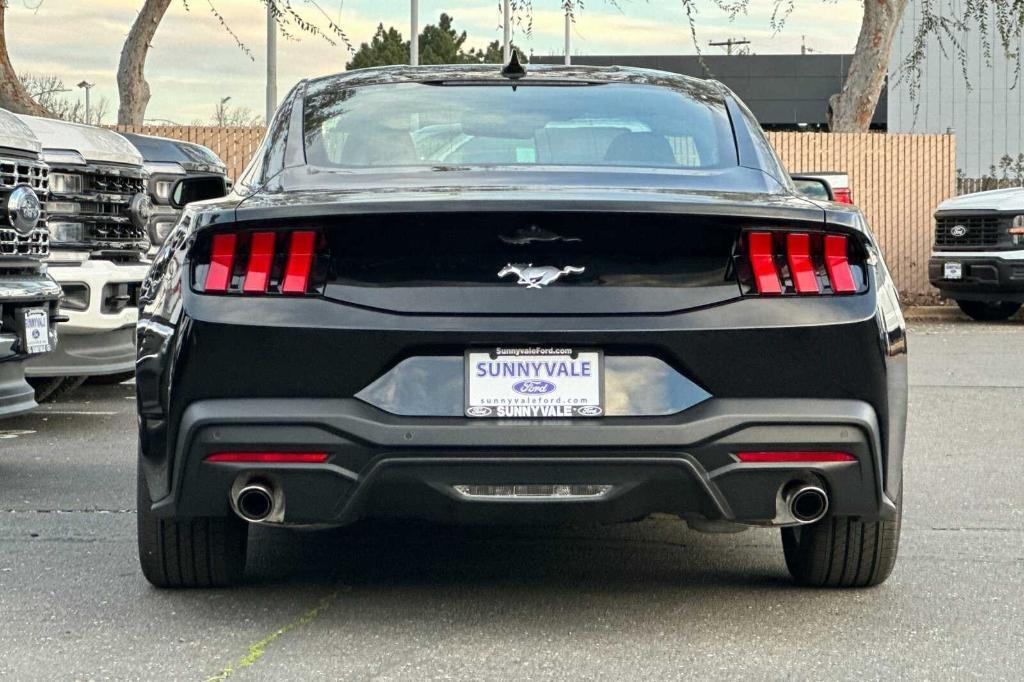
(584,124)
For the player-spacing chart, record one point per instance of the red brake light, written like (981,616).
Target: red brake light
(762,262)
(222,258)
(843,195)
(801,268)
(838,265)
(261,257)
(269,457)
(300,258)
(795,457)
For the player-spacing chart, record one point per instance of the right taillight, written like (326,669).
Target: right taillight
(260,262)
(842,195)
(778,262)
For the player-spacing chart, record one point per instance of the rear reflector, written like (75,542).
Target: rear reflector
(801,268)
(762,262)
(838,265)
(222,258)
(269,457)
(804,457)
(300,258)
(261,257)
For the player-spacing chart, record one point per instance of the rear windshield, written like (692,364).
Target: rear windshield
(420,124)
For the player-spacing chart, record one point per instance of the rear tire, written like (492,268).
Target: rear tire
(193,552)
(842,552)
(989,311)
(111,379)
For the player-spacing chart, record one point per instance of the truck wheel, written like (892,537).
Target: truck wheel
(842,552)
(111,379)
(52,389)
(988,311)
(193,552)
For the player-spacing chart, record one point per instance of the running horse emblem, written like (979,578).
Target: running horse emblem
(535,277)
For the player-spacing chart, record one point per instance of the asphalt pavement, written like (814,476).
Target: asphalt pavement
(649,600)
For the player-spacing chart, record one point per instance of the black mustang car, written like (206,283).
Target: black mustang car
(475,294)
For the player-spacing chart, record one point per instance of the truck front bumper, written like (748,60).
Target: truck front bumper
(99,336)
(18,292)
(986,275)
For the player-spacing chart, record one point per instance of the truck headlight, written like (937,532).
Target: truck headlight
(66,233)
(162,190)
(1017,230)
(65,183)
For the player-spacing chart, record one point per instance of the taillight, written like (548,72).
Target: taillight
(798,456)
(805,263)
(261,262)
(268,457)
(843,195)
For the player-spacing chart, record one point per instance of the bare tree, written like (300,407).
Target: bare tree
(48,91)
(233,117)
(131,78)
(13,95)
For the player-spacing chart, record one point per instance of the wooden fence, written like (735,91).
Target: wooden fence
(897,180)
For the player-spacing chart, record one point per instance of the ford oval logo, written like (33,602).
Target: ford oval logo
(479,411)
(590,411)
(958,231)
(533,387)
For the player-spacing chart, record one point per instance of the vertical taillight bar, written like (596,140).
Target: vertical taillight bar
(801,268)
(762,262)
(261,257)
(838,265)
(222,258)
(300,260)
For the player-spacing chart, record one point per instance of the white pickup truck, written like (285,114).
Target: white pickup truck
(97,215)
(28,296)
(978,252)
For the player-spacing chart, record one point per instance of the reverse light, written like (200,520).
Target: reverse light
(803,457)
(804,263)
(268,457)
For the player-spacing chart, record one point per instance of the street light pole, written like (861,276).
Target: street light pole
(271,61)
(506,11)
(87,86)
(414,39)
(568,37)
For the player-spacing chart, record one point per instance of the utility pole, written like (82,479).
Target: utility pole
(414,39)
(728,43)
(803,46)
(271,61)
(568,37)
(87,86)
(506,44)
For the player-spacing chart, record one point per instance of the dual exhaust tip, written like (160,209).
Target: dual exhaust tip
(806,503)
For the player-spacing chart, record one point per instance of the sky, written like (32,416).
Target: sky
(194,63)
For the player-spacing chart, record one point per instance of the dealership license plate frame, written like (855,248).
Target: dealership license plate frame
(953,270)
(35,344)
(593,408)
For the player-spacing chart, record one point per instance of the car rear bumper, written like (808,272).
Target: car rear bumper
(988,276)
(385,465)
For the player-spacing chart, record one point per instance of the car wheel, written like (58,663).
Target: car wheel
(842,552)
(988,311)
(192,552)
(111,379)
(51,389)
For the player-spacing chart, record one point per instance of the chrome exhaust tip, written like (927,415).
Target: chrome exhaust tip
(254,502)
(807,503)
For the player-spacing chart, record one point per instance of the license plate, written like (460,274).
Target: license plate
(36,331)
(953,271)
(534,383)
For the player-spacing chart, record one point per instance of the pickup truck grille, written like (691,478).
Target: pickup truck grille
(977,231)
(13,172)
(103,202)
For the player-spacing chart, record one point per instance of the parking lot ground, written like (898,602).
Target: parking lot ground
(649,600)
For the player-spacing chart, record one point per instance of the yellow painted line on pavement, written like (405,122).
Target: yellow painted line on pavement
(257,649)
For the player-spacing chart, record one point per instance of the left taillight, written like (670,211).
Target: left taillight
(259,262)
(779,262)
(842,195)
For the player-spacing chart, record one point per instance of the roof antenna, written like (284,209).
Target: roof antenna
(513,70)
